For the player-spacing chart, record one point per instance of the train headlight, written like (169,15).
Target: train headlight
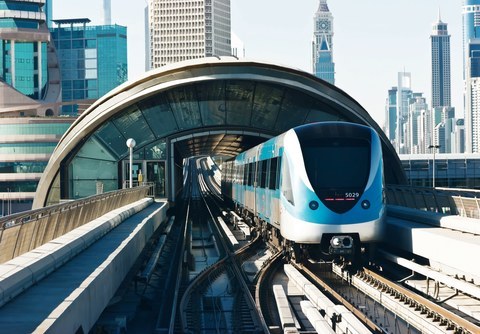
(366,204)
(336,242)
(313,205)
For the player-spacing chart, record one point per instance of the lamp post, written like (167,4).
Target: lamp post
(434,149)
(131,144)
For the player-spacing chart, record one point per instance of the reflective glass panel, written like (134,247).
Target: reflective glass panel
(184,105)
(239,101)
(132,124)
(158,114)
(266,105)
(211,99)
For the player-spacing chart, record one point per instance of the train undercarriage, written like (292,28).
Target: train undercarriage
(341,248)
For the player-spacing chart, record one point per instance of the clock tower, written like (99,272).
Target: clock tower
(322,46)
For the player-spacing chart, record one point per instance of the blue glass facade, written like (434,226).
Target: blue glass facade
(451,170)
(49,12)
(440,41)
(391,115)
(23,58)
(474,54)
(93,60)
(471,27)
(26,145)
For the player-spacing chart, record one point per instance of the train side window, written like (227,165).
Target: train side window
(273,174)
(245,174)
(250,174)
(263,173)
(267,172)
(279,168)
(259,173)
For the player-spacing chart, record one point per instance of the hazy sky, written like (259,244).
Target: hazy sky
(373,39)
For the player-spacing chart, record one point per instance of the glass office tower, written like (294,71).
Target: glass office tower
(471,27)
(48,9)
(93,59)
(323,65)
(440,41)
(23,47)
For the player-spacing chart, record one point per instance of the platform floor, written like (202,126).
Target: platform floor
(26,312)
(450,251)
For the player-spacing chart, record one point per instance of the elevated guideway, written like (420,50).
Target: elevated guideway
(440,225)
(64,285)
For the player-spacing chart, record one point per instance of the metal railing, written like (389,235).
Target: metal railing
(463,202)
(22,232)
(151,186)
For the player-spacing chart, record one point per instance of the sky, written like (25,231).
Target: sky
(373,39)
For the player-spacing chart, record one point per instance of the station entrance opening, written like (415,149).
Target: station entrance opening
(211,106)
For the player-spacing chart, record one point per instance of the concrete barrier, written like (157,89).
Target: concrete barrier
(83,307)
(20,273)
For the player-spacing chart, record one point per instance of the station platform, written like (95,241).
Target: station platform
(448,242)
(71,298)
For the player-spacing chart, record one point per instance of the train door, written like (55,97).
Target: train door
(259,193)
(268,192)
(156,174)
(136,168)
(255,185)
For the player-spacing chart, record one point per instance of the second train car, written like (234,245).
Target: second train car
(315,189)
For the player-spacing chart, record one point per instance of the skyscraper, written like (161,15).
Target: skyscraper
(441,87)
(472,98)
(323,65)
(404,92)
(49,12)
(24,50)
(391,115)
(181,30)
(416,138)
(471,27)
(93,59)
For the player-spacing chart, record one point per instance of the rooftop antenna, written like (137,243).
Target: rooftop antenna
(107,12)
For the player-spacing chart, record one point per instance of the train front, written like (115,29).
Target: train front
(332,187)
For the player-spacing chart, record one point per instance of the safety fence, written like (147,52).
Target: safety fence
(22,232)
(463,202)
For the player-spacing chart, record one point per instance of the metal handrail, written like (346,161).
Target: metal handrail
(24,231)
(463,202)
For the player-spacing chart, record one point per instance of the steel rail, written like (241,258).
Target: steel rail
(453,319)
(369,323)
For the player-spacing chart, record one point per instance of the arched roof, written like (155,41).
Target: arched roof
(216,106)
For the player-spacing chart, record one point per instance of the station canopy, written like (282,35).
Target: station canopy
(211,106)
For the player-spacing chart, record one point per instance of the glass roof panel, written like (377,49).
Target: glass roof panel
(132,124)
(266,105)
(94,149)
(294,110)
(211,99)
(110,137)
(239,101)
(184,104)
(157,150)
(317,115)
(158,114)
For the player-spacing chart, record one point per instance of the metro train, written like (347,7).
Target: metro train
(315,189)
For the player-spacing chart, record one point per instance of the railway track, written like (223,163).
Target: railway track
(204,277)
(218,299)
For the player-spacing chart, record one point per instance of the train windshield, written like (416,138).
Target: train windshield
(337,163)
(338,170)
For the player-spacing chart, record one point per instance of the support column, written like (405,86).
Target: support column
(171,170)
(12,61)
(40,72)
